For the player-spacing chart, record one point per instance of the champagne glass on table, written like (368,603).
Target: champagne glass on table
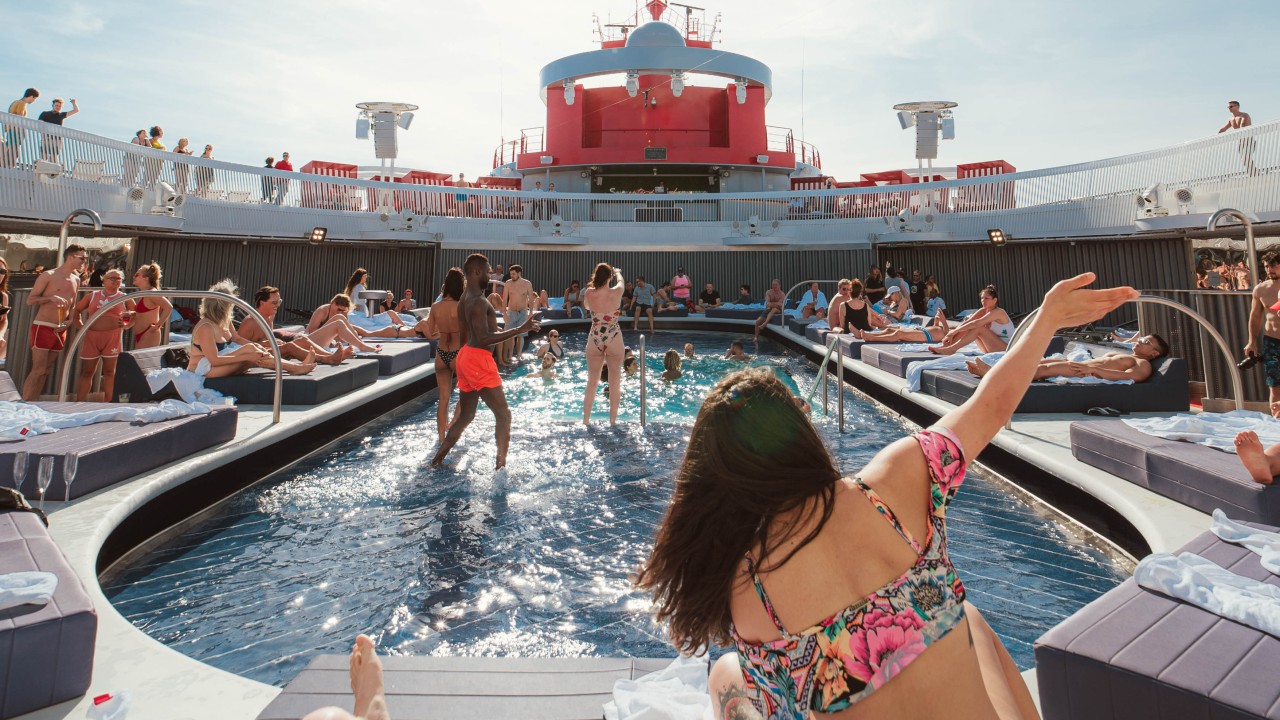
(44,476)
(19,469)
(70,462)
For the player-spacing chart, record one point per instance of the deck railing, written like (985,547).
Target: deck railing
(53,168)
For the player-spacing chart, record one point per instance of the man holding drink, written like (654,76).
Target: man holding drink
(102,340)
(54,294)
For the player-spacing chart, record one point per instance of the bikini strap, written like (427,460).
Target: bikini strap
(764,597)
(879,504)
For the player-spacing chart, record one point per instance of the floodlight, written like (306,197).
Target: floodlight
(318,235)
(997,237)
(633,83)
(362,128)
(677,83)
(404,120)
(165,194)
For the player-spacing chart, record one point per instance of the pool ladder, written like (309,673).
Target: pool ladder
(823,371)
(643,384)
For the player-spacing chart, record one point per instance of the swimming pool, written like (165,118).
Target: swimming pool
(363,537)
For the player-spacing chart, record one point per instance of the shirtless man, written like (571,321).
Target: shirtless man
(1134,365)
(295,346)
(519,298)
(835,311)
(1239,121)
(476,371)
(54,293)
(735,352)
(329,322)
(774,300)
(1263,318)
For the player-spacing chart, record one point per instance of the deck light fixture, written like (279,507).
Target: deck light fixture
(997,237)
(317,235)
(677,83)
(568,91)
(633,82)
(742,90)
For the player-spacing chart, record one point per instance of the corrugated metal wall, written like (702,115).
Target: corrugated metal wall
(1228,313)
(1022,272)
(553,269)
(307,275)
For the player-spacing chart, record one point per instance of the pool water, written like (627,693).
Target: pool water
(364,537)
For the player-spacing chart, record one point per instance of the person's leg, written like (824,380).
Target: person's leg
(961,340)
(649,311)
(41,361)
(85,381)
(635,319)
(496,399)
(1005,686)
(989,341)
(463,416)
(229,369)
(1263,465)
(366,687)
(595,359)
(109,377)
(444,386)
(613,356)
(340,329)
(728,690)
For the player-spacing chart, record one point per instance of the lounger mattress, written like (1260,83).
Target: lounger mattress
(326,382)
(400,355)
(891,358)
(1133,653)
(1165,391)
(741,314)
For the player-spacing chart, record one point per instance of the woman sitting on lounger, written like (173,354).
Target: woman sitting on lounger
(990,327)
(895,307)
(442,325)
(218,351)
(830,587)
(357,284)
(857,316)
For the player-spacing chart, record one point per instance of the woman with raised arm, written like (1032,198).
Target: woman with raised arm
(604,341)
(442,325)
(838,593)
(990,327)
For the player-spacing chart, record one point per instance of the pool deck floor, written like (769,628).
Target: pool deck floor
(164,683)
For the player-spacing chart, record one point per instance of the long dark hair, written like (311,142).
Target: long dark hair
(454,282)
(600,278)
(991,290)
(753,458)
(356,278)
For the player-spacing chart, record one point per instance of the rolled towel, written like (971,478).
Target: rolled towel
(1194,579)
(1264,544)
(26,588)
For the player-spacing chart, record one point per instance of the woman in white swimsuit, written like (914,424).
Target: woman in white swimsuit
(990,327)
(604,342)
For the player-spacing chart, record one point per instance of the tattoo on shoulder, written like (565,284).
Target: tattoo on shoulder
(735,705)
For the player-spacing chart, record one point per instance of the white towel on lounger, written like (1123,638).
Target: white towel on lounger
(1217,430)
(1264,544)
(1208,586)
(677,692)
(944,362)
(39,421)
(26,588)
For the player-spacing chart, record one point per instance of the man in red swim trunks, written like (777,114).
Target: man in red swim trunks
(474,367)
(54,294)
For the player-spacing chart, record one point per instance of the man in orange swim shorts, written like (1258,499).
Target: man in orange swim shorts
(474,367)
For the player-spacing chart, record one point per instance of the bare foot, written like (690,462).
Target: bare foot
(940,319)
(941,350)
(366,680)
(1253,457)
(977,367)
(332,358)
(347,352)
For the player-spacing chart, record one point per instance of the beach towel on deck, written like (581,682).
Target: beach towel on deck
(1264,544)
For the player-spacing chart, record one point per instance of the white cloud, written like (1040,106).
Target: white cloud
(79,20)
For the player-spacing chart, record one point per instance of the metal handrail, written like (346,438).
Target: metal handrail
(802,283)
(1249,242)
(643,384)
(66,225)
(822,366)
(1237,385)
(250,311)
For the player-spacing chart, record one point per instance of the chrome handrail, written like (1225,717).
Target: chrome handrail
(643,384)
(822,366)
(800,284)
(66,225)
(1237,385)
(250,311)
(1250,245)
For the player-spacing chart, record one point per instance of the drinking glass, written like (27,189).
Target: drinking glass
(70,462)
(19,469)
(44,476)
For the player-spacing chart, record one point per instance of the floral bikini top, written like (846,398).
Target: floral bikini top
(844,658)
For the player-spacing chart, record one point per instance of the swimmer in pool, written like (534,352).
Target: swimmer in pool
(688,351)
(671,365)
(366,686)
(548,371)
(735,352)
(476,371)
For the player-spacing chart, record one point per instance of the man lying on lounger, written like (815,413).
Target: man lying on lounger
(294,346)
(1135,365)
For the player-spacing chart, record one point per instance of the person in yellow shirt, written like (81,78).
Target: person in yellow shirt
(13,136)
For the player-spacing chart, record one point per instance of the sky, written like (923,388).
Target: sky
(1039,84)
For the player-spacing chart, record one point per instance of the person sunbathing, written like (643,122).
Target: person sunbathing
(909,333)
(217,350)
(366,687)
(990,327)
(1134,365)
(293,345)
(336,311)
(1263,464)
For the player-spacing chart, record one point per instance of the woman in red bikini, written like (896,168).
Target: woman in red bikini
(838,593)
(152,312)
(442,326)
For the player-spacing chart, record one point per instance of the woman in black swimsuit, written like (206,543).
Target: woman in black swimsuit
(553,346)
(442,325)
(858,315)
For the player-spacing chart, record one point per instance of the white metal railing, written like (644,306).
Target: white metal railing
(41,178)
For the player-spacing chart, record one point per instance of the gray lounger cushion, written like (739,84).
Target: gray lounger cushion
(1133,653)
(798,325)
(816,334)
(891,358)
(1194,475)
(851,346)
(51,646)
(1165,391)
(682,311)
(740,314)
(554,314)
(401,355)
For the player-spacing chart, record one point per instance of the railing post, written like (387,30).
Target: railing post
(840,383)
(822,375)
(643,384)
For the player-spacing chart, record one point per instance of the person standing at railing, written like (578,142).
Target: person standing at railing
(154,165)
(13,136)
(553,207)
(52,145)
(181,169)
(204,175)
(269,183)
(282,184)
(1239,121)
(132,162)
(53,296)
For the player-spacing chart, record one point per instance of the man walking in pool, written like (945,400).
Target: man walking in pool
(474,367)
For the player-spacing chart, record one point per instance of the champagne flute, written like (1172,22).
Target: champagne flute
(19,469)
(70,462)
(44,476)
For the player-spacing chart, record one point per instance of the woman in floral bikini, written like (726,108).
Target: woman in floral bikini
(604,341)
(766,546)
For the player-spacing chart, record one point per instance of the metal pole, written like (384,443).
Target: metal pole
(250,311)
(822,378)
(643,384)
(840,384)
(66,225)
(1250,245)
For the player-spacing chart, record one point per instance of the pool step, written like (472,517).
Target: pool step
(429,688)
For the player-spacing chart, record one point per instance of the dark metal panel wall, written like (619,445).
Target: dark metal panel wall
(1228,313)
(307,275)
(1022,272)
(553,269)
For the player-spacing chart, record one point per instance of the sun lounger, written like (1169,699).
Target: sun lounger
(48,649)
(723,313)
(400,355)
(1165,391)
(1194,475)
(891,358)
(1133,653)
(112,451)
